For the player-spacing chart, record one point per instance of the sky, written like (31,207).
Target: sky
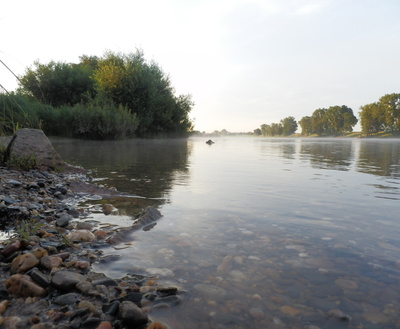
(245,62)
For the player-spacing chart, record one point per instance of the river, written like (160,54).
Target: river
(258,232)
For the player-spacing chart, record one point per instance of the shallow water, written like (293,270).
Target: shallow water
(257,232)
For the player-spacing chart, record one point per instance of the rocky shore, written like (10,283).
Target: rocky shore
(46,276)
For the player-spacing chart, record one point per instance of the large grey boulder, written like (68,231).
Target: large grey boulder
(32,148)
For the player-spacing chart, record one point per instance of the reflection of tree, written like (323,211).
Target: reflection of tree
(147,168)
(328,154)
(381,158)
(285,148)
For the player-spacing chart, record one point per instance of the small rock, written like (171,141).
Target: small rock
(22,285)
(111,309)
(346,284)
(85,304)
(104,325)
(84,287)
(131,315)
(109,209)
(40,252)
(63,220)
(23,263)
(3,306)
(66,280)
(40,278)
(288,310)
(81,236)
(66,299)
(11,322)
(160,271)
(257,313)
(156,325)
(11,248)
(167,291)
(14,182)
(50,262)
(84,226)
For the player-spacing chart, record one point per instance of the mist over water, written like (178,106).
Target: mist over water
(258,232)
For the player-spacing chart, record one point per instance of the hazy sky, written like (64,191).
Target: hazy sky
(245,62)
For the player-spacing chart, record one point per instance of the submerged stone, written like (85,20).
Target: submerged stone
(131,315)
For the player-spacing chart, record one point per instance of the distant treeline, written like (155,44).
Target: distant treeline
(383,115)
(113,96)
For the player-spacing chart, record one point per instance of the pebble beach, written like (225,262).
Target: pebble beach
(46,257)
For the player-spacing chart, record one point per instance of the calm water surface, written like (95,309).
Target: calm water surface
(256,232)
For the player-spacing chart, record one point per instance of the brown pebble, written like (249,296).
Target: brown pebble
(100,234)
(35,319)
(11,248)
(50,262)
(104,325)
(81,265)
(22,286)
(11,321)
(23,263)
(88,305)
(40,252)
(156,325)
(3,306)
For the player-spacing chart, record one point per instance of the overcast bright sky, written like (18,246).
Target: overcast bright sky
(245,62)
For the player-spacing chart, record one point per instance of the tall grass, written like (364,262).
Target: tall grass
(94,120)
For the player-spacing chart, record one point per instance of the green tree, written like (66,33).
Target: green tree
(57,83)
(390,106)
(128,79)
(306,126)
(257,132)
(372,118)
(339,119)
(289,126)
(318,122)
(276,129)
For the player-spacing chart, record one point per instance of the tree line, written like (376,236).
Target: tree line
(285,127)
(381,116)
(112,96)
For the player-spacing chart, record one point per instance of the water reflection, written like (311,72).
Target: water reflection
(380,158)
(328,154)
(254,240)
(147,168)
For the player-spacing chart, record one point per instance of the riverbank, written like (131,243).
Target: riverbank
(46,257)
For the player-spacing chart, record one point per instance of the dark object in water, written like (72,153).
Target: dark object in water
(209,142)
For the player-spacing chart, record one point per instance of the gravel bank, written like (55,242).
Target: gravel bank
(46,279)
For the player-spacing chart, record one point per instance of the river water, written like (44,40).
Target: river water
(258,232)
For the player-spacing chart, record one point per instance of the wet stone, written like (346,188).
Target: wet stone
(66,280)
(210,291)
(11,248)
(111,309)
(39,277)
(108,282)
(66,299)
(63,220)
(81,236)
(131,315)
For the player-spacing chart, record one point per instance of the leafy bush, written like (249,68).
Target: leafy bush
(97,119)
